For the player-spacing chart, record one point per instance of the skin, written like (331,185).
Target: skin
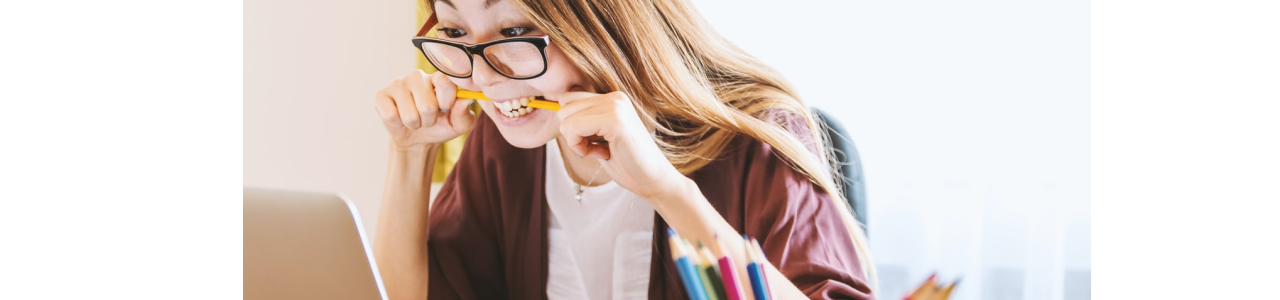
(420,112)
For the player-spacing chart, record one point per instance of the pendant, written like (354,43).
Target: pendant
(579,194)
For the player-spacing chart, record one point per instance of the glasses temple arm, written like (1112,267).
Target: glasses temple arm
(431,21)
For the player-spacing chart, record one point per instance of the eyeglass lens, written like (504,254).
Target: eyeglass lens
(514,59)
(448,59)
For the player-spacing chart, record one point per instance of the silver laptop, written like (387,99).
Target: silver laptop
(303,245)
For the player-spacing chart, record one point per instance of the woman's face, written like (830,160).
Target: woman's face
(479,21)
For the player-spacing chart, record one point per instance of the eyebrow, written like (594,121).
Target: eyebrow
(487,3)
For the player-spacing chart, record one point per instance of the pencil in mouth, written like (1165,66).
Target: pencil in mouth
(530,102)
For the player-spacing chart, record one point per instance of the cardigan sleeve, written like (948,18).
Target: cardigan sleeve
(800,228)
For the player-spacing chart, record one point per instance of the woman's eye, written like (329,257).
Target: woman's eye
(452,32)
(515,31)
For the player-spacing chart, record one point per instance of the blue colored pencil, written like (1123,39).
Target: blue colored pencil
(692,281)
(703,286)
(762,259)
(756,273)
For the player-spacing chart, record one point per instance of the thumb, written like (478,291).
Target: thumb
(569,97)
(574,93)
(460,116)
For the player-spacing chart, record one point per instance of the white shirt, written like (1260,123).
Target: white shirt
(599,248)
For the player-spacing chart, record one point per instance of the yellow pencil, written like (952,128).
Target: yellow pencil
(536,103)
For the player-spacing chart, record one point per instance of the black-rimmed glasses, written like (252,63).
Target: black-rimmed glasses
(515,58)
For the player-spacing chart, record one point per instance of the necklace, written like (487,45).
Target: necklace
(582,188)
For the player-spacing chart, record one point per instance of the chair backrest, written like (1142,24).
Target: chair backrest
(846,166)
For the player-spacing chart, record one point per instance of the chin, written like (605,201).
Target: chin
(528,130)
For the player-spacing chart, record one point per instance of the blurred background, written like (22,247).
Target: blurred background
(971,118)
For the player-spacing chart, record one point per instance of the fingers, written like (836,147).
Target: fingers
(573,98)
(424,100)
(386,108)
(461,117)
(446,92)
(411,109)
(582,133)
(586,119)
(592,150)
(583,147)
(572,103)
(576,142)
(404,104)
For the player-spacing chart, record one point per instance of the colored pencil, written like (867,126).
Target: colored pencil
(762,261)
(700,270)
(756,273)
(745,282)
(536,103)
(709,265)
(685,267)
(729,273)
(703,280)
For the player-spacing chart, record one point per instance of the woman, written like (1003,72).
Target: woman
(663,124)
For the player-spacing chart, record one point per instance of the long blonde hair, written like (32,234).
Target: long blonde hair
(694,87)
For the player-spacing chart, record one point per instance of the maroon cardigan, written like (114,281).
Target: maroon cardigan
(488,235)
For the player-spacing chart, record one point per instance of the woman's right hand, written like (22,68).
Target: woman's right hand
(422,109)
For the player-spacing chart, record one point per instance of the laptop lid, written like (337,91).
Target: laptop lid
(304,245)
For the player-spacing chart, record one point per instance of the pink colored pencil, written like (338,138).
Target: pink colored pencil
(729,273)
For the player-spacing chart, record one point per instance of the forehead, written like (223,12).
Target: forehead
(469,5)
(475,12)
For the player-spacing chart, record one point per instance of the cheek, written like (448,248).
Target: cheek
(561,74)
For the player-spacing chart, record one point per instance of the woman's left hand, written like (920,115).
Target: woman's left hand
(629,152)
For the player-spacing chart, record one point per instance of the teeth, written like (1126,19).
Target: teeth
(504,107)
(514,108)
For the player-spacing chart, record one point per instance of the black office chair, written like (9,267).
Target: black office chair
(850,176)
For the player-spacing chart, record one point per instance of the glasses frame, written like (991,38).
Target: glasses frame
(472,50)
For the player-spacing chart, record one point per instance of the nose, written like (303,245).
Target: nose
(484,75)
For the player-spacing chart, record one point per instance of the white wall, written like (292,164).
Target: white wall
(310,71)
(972,119)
